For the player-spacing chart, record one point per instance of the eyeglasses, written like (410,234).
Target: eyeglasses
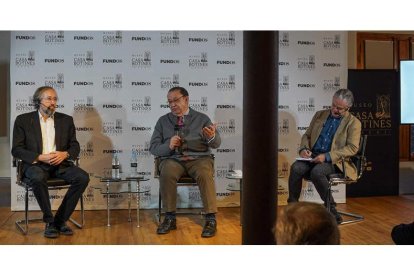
(170,102)
(49,99)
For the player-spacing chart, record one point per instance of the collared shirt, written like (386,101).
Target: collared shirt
(48,134)
(324,142)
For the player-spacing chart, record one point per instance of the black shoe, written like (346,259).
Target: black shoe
(168,224)
(64,229)
(337,216)
(209,229)
(51,231)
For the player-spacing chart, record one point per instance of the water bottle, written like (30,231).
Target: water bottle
(115,167)
(134,164)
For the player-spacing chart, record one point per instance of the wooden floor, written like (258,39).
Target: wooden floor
(381,214)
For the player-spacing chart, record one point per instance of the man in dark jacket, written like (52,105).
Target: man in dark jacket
(46,142)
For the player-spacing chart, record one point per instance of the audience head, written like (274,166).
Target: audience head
(306,223)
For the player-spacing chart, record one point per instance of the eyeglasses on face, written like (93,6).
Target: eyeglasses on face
(174,101)
(49,99)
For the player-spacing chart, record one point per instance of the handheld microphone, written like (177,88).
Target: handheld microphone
(177,132)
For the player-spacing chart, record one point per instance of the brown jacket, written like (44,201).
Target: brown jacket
(345,142)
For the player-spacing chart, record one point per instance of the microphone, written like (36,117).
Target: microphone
(177,132)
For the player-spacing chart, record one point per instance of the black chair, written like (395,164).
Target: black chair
(53,184)
(360,163)
(184,180)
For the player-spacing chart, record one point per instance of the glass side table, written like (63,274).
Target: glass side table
(112,186)
(236,188)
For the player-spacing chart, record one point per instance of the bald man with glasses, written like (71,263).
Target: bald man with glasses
(331,135)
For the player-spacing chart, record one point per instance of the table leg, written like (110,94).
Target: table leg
(138,198)
(107,204)
(129,201)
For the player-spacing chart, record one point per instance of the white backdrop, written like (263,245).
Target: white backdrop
(114,84)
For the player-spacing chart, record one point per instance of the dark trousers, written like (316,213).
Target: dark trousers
(317,173)
(38,175)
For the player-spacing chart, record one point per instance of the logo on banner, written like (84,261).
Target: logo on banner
(284,64)
(141,83)
(57,82)
(141,128)
(332,43)
(226,62)
(198,84)
(25,59)
(376,122)
(83,105)
(24,105)
(88,195)
(198,61)
(226,39)
(283,170)
(141,38)
(306,85)
(83,59)
(169,61)
(112,106)
(332,85)
(331,64)
(284,83)
(54,60)
(194,195)
(170,38)
(226,150)
(197,39)
(112,38)
(111,60)
(112,83)
(222,170)
(307,63)
(82,83)
(86,150)
(170,82)
(199,105)
(283,107)
(306,105)
(280,150)
(25,37)
(83,37)
(25,83)
(283,127)
(308,192)
(142,150)
(226,106)
(226,83)
(227,127)
(56,37)
(141,104)
(113,128)
(141,61)
(306,42)
(284,40)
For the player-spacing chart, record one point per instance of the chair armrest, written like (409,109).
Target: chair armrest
(157,161)
(18,164)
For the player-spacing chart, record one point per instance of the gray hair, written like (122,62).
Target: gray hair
(37,96)
(346,95)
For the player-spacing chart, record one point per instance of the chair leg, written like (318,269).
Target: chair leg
(159,207)
(77,224)
(357,218)
(26,214)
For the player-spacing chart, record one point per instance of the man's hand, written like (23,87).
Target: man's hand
(319,159)
(209,131)
(53,158)
(175,142)
(305,153)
